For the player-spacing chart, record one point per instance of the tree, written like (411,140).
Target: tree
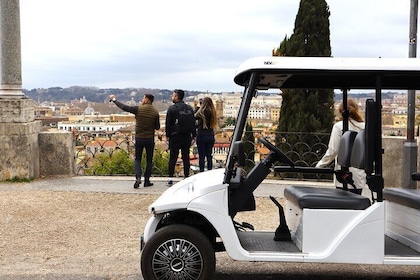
(229,121)
(307,110)
(116,162)
(120,162)
(249,147)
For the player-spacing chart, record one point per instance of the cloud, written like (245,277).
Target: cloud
(369,28)
(196,45)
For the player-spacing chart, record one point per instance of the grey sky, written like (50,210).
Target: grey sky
(194,45)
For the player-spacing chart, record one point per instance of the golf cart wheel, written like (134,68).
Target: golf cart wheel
(178,252)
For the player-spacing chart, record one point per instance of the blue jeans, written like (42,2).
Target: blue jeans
(205,143)
(148,144)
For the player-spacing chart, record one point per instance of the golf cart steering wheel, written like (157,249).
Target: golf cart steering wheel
(277,151)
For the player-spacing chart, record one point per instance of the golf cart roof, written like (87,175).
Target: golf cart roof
(330,73)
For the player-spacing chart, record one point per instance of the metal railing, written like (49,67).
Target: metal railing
(115,156)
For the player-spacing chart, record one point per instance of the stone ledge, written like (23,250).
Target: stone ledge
(16,110)
(16,129)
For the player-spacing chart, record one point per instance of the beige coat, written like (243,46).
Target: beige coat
(359,176)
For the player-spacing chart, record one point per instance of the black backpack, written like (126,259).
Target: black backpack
(185,120)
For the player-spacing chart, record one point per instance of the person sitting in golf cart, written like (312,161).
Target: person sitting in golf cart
(356,123)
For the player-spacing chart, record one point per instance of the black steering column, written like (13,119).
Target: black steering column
(242,195)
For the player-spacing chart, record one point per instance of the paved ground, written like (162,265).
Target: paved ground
(227,268)
(124,184)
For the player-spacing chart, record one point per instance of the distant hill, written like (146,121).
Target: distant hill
(99,95)
(385,95)
(94,94)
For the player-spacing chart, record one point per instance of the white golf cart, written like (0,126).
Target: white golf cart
(195,218)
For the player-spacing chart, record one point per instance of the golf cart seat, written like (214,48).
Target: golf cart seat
(403,203)
(325,198)
(406,197)
(332,198)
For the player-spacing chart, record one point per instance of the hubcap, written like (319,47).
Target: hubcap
(177,259)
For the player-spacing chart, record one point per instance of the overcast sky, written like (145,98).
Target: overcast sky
(188,44)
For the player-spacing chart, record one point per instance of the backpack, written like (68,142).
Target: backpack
(185,120)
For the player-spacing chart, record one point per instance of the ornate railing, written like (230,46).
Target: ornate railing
(115,155)
(305,149)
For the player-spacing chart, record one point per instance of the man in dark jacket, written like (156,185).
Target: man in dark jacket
(178,140)
(147,121)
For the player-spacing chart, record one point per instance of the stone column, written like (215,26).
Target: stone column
(10,51)
(19,131)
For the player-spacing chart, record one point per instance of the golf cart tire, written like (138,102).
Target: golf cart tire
(178,252)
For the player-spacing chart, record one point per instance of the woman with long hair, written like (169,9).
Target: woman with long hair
(206,124)
(356,123)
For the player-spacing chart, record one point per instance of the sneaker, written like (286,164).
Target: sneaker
(169,183)
(137,183)
(148,184)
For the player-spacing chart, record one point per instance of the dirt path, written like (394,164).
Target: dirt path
(66,232)
(47,232)
(79,235)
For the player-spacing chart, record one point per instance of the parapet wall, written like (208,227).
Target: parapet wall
(18,139)
(56,153)
(19,150)
(392,161)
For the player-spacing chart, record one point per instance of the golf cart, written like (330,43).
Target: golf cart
(195,218)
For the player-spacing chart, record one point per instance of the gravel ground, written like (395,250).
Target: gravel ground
(48,232)
(81,235)
(66,232)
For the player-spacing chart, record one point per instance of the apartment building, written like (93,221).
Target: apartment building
(262,107)
(96,129)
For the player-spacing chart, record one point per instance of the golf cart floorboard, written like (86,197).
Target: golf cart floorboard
(395,248)
(254,241)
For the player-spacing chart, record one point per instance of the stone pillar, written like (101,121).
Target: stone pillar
(57,149)
(18,129)
(10,51)
(392,161)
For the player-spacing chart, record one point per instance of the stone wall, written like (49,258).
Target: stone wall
(19,150)
(392,161)
(19,139)
(57,153)
(26,152)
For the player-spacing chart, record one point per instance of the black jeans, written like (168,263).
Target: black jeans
(176,143)
(205,143)
(148,144)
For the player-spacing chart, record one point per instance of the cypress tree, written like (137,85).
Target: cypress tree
(308,110)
